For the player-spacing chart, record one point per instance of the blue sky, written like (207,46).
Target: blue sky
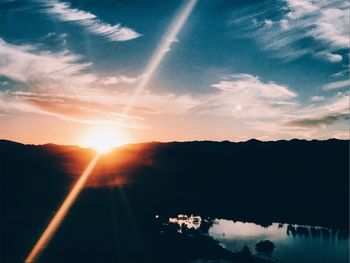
(236,70)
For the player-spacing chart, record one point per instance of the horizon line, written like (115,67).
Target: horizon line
(175,141)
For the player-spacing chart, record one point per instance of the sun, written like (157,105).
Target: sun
(103,140)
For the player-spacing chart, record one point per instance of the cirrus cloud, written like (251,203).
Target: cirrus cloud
(58,85)
(337,84)
(300,27)
(64,12)
(246,96)
(24,63)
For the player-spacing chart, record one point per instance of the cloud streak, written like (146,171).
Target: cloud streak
(245,83)
(322,121)
(327,112)
(300,27)
(114,80)
(58,85)
(24,63)
(64,12)
(273,109)
(266,107)
(244,96)
(337,85)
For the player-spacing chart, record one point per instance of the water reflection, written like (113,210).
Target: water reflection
(317,232)
(290,243)
(186,221)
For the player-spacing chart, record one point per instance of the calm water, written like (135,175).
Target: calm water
(293,243)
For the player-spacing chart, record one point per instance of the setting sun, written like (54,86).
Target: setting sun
(103,140)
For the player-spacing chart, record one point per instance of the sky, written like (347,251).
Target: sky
(235,70)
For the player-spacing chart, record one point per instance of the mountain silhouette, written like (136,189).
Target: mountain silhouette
(296,182)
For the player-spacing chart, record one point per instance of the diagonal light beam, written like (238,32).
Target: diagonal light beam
(61,213)
(151,68)
(160,52)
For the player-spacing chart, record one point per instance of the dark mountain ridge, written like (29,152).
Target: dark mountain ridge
(297,181)
(297,174)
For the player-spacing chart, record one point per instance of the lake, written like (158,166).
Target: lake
(293,243)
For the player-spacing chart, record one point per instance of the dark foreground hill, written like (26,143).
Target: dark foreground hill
(304,182)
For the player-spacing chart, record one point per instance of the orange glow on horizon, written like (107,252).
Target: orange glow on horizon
(103,140)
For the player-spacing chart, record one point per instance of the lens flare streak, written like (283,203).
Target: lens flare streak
(160,52)
(151,68)
(61,213)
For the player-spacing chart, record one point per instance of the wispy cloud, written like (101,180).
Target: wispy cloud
(246,96)
(327,112)
(334,58)
(68,108)
(300,27)
(273,109)
(114,80)
(245,83)
(321,121)
(337,85)
(328,119)
(58,85)
(242,96)
(96,106)
(317,98)
(25,63)
(326,21)
(64,12)
(331,23)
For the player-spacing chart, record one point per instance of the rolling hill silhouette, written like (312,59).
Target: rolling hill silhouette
(297,181)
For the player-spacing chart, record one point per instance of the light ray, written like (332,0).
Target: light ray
(61,213)
(151,68)
(160,52)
